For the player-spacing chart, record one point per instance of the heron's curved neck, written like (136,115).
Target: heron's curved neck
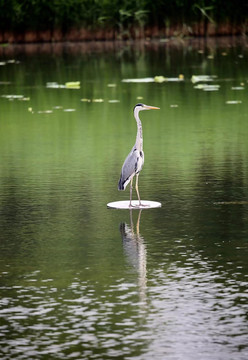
(139,136)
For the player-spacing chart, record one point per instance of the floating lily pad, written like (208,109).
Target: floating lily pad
(11,61)
(16,97)
(67,85)
(157,79)
(161,79)
(141,80)
(24,99)
(44,111)
(207,87)
(95,100)
(202,78)
(211,88)
(54,85)
(98,100)
(238,88)
(72,85)
(233,102)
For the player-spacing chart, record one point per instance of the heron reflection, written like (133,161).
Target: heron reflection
(135,250)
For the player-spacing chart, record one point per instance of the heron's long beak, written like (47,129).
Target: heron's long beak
(147,107)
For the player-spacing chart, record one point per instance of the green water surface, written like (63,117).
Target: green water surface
(80,281)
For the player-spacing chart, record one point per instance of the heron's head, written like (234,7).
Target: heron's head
(140,107)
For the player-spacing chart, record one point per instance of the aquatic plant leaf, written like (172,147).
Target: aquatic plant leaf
(200,78)
(233,102)
(141,80)
(72,85)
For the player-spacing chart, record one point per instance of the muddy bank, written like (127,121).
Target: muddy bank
(82,34)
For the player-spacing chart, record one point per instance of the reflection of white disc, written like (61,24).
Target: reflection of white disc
(145,204)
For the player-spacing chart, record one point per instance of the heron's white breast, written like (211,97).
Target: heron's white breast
(140,160)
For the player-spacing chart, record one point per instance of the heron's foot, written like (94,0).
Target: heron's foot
(133,206)
(143,205)
(140,205)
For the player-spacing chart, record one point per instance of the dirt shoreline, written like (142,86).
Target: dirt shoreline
(82,34)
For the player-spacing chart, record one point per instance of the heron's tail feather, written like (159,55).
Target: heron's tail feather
(121,185)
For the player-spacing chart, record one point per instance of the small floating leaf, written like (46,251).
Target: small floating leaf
(238,88)
(199,86)
(85,100)
(13,97)
(142,80)
(24,99)
(214,88)
(160,79)
(44,111)
(54,85)
(111,85)
(207,87)
(114,101)
(98,100)
(67,85)
(200,78)
(72,85)
(233,102)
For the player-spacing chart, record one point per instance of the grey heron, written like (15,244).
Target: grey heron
(135,159)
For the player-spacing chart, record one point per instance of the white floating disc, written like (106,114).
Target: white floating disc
(145,204)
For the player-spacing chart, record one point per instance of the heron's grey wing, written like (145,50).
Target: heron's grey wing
(128,169)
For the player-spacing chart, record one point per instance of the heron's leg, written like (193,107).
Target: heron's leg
(131,188)
(138,223)
(137,188)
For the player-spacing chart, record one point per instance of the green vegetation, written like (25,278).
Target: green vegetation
(118,15)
